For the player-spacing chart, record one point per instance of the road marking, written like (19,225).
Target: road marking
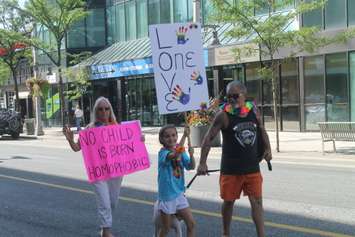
(199,212)
(314,164)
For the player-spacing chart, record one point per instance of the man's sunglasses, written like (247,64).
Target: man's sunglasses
(233,96)
(103,109)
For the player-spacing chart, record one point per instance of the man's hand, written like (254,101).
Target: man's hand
(202,169)
(268,155)
(187,131)
(191,151)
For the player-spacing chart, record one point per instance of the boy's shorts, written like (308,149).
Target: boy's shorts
(231,186)
(171,207)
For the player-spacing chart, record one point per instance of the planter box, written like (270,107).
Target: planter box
(198,133)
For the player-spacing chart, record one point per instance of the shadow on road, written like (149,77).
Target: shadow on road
(16,158)
(21,138)
(35,204)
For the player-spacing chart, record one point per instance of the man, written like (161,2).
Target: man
(240,171)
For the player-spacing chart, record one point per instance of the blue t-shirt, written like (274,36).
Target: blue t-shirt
(169,185)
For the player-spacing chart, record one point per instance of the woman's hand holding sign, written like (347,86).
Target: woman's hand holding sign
(69,135)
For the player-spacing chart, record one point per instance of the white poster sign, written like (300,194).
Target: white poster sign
(179,69)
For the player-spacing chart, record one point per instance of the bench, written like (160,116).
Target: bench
(337,131)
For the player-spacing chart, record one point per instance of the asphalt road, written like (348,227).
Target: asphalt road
(43,192)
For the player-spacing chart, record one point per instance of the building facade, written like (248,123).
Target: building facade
(8,95)
(313,88)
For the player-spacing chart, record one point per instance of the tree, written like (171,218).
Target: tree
(14,40)
(270,32)
(57,16)
(38,88)
(78,77)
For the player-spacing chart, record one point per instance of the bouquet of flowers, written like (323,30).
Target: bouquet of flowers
(205,115)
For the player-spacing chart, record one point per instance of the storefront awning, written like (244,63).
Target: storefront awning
(140,48)
(134,57)
(121,51)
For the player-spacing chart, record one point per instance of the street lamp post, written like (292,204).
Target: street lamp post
(196,4)
(39,126)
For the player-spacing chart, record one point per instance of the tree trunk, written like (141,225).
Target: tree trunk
(61,86)
(39,127)
(275,102)
(17,101)
(82,108)
(61,96)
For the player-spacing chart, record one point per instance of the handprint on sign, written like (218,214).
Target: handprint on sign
(181,35)
(193,26)
(181,96)
(197,78)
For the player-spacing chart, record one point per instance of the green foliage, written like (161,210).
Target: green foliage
(79,81)
(78,77)
(38,87)
(4,73)
(15,29)
(57,17)
(271,30)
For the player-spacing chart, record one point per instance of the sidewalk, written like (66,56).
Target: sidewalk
(292,144)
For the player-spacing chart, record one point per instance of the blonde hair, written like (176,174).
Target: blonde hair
(112,118)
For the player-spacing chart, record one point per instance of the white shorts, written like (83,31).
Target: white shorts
(171,207)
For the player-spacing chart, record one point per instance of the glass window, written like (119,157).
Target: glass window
(289,82)
(165,11)
(314,91)
(337,87)
(190,10)
(96,28)
(154,12)
(352,84)
(180,11)
(284,4)
(261,7)
(207,11)
(76,35)
(111,25)
(131,99)
(139,93)
(120,23)
(253,81)
(131,20)
(267,91)
(335,14)
(269,118)
(142,18)
(290,96)
(313,18)
(351,12)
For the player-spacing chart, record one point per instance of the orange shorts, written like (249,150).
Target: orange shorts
(231,186)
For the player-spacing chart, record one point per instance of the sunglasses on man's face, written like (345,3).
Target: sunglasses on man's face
(233,96)
(103,109)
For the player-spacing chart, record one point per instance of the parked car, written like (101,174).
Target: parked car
(10,123)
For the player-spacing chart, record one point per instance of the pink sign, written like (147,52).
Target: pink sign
(113,151)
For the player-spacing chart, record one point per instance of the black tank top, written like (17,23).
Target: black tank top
(240,145)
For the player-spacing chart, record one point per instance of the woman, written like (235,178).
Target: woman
(107,192)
